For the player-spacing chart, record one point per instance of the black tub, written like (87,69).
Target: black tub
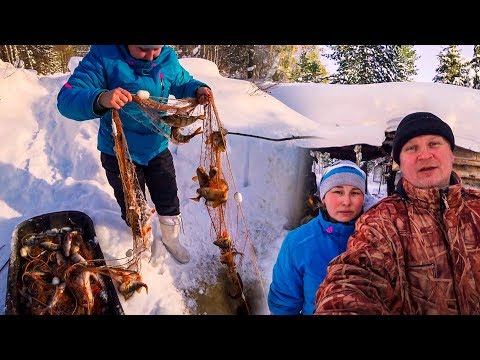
(41,223)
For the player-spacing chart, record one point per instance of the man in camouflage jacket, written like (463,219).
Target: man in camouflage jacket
(417,251)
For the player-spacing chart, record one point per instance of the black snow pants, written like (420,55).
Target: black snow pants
(158,175)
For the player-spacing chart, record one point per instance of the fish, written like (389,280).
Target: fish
(129,287)
(67,243)
(202,177)
(213,171)
(49,245)
(224,242)
(177,137)
(181,121)
(219,184)
(211,194)
(218,140)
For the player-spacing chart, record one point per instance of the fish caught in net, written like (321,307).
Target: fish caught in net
(214,176)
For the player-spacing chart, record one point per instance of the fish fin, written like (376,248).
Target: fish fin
(142,285)
(128,295)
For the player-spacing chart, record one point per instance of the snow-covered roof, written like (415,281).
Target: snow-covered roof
(349,114)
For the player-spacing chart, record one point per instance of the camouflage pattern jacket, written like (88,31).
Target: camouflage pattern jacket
(415,252)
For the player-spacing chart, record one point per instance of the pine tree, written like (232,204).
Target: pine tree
(368,64)
(253,62)
(186,50)
(453,68)
(80,50)
(61,55)
(309,68)
(231,60)
(271,62)
(264,60)
(41,58)
(47,59)
(11,54)
(406,58)
(285,62)
(475,68)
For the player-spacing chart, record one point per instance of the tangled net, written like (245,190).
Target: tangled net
(214,176)
(214,189)
(138,212)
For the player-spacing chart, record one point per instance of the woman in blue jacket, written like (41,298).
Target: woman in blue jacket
(104,80)
(306,251)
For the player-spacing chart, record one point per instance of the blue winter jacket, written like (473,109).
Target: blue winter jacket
(107,67)
(302,264)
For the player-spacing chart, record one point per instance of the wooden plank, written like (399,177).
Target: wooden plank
(467,174)
(468,162)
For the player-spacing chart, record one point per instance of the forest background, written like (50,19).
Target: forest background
(266,64)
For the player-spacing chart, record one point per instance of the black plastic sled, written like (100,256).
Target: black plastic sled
(15,303)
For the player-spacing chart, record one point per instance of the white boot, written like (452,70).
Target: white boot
(170,227)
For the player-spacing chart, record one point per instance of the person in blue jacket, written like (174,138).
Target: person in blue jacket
(306,251)
(105,79)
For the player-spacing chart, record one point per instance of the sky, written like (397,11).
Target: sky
(426,64)
(50,163)
(428,57)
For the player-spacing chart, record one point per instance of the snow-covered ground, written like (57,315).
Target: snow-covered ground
(49,163)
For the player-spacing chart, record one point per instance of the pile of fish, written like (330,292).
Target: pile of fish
(60,276)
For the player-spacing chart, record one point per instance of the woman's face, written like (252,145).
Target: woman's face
(143,54)
(344,203)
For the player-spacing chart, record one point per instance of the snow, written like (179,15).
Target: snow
(49,163)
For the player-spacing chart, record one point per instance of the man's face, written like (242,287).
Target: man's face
(426,161)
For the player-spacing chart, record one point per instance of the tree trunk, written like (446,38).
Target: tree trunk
(251,53)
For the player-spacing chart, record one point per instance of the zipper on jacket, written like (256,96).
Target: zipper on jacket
(161,82)
(443,208)
(443,202)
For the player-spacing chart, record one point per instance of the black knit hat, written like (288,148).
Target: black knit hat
(416,124)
